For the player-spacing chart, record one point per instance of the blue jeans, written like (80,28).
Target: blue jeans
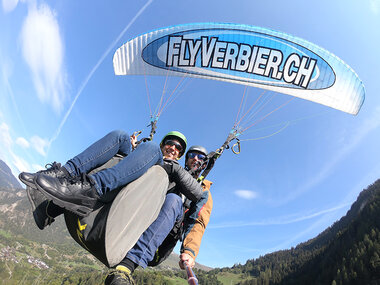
(131,167)
(145,248)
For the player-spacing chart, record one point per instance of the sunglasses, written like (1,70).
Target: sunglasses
(177,145)
(195,154)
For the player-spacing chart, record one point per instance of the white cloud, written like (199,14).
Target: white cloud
(6,69)
(15,162)
(9,5)
(39,144)
(368,126)
(7,72)
(43,51)
(246,194)
(285,220)
(375,6)
(19,163)
(37,167)
(5,137)
(22,142)
(105,54)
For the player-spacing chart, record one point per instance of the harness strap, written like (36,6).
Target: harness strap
(214,155)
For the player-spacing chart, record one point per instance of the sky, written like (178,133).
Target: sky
(299,169)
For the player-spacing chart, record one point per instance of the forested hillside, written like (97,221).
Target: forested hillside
(348,252)
(31,256)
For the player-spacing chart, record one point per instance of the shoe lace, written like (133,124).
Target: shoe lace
(130,279)
(50,167)
(122,275)
(127,276)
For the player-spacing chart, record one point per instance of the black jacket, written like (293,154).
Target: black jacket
(181,182)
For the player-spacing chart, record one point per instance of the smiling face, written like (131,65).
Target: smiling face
(195,160)
(171,149)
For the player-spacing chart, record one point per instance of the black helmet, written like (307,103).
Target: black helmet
(197,148)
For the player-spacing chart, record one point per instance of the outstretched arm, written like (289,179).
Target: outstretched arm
(196,221)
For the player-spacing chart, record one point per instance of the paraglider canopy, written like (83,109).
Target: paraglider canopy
(246,55)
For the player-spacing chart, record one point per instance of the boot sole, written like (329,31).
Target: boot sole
(27,183)
(34,206)
(30,198)
(79,210)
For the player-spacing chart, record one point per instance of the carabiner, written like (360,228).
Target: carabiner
(234,147)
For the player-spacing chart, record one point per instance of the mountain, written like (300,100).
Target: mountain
(348,252)
(7,180)
(31,256)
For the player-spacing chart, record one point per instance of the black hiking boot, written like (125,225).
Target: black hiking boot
(119,276)
(44,211)
(52,169)
(77,194)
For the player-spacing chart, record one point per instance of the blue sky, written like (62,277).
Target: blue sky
(58,94)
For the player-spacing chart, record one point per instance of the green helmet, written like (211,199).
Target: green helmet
(178,136)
